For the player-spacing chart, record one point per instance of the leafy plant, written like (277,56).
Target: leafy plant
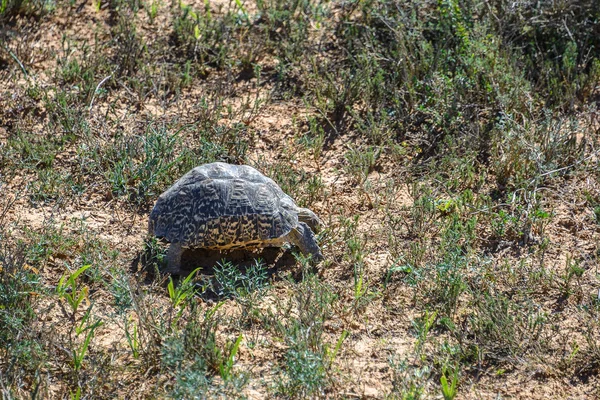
(360,162)
(449,390)
(68,289)
(182,293)
(226,366)
(232,281)
(89,329)
(409,381)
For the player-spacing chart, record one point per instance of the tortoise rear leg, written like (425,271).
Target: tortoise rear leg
(305,239)
(174,258)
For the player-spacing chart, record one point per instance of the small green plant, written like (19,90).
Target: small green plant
(20,285)
(233,281)
(153,256)
(308,359)
(152,10)
(359,289)
(88,328)
(362,292)
(66,118)
(423,212)
(360,162)
(409,381)
(226,365)
(68,289)
(572,270)
(180,294)
(32,8)
(597,213)
(29,152)
(306,373)
(53,186)
(202,37)
(422,326)
(314,139)
(120,288)
(505,329)
(332,354)
(193,356)
(449,390)
(156,150)
(133,339)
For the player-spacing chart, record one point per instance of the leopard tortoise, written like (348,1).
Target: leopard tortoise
(221,206)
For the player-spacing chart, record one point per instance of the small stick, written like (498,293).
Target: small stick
(96,91)
(14,57)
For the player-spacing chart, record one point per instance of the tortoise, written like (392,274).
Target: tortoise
(221,206)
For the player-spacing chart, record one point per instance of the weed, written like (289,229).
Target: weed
(22,354)
(314,139)
(422,213)
(65,117)
(31,152)
(482,112)
(597,214)
(193,355)
(287,27)
(129,47)
(152,10)
(156,150)
(89,329)
(53,186)
(336,95)
(306,372)
(35,8)
(67,289)
(409,381)
(226,367)
(362,294)
(360,162)
(133,339)
(504,329)
(422,326)
(200,36)
(553,56)
(308,360)
(572,270)
(584,358)
(303,187)
(231,281)
(181,294)
(51,241)
(154,255)
(449,390)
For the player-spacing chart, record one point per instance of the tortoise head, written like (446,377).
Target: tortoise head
(310,218)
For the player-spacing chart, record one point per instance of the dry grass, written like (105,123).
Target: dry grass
(452,156)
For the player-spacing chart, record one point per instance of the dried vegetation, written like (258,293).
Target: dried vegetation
(450,146)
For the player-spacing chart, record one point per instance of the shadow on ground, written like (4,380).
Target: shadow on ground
(274,258)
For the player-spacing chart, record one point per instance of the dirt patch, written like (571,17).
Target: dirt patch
(385,307)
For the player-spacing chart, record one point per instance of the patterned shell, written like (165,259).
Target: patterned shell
(221,206)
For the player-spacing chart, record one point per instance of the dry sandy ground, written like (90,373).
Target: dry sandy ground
(378,332)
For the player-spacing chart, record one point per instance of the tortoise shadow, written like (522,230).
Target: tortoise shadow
(274,258)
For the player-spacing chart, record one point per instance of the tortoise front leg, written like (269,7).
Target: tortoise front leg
(305,239)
